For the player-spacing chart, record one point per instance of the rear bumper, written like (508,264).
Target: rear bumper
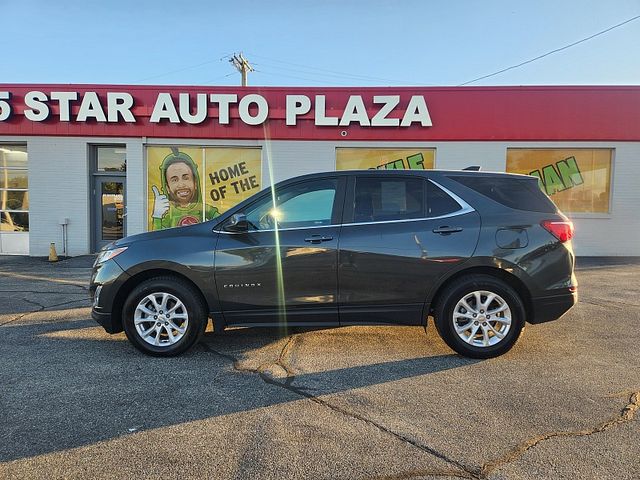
(547,309)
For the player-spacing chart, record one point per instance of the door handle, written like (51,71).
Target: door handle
(446,230)
(317,239)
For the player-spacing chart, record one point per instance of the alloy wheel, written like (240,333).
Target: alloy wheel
(161,319)
(482,318)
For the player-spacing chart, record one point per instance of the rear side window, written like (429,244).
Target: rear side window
(382,199)
(438,202)
(518,193)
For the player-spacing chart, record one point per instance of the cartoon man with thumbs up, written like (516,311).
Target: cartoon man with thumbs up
(179,202)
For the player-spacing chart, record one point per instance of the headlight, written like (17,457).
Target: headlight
(96,296)
(109,254)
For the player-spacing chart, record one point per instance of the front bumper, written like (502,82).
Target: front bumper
(106,279)
(547,309)
(105,320)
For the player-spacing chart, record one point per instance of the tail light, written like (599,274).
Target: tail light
(562,230)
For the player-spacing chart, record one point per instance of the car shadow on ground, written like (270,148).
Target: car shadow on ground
(67,384)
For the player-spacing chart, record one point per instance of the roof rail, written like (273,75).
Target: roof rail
(472,168)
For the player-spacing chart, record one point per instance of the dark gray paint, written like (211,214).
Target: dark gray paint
(375,273)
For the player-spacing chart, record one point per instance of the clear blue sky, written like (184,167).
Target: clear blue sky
(404,42)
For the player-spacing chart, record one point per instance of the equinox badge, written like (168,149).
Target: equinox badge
(241,285)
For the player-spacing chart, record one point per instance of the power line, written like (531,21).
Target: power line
(220,77)
(337,76)
(294,76)
(551,52)
(184,68)
(334,72)
(176,71)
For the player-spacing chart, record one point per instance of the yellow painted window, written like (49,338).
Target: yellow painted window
(577,180)
(385,158)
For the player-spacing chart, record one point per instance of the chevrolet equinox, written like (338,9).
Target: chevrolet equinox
(482,253)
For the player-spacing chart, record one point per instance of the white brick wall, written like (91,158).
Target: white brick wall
(58,187)
(59,183)
(290,159)
(135,194)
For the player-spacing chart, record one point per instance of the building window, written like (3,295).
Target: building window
(385,158)
(187,185)
(14,188)
(111,159)
(577,180)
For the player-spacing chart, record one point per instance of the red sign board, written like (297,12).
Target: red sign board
(583,113)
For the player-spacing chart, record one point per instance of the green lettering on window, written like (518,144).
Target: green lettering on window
(416,162)
(552,181)
(569,172)
(536,173)
(395,165)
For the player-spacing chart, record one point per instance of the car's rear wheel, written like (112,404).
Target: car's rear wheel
(164,316)
(480,316)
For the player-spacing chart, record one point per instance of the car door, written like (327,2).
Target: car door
(400,234)
(285,267)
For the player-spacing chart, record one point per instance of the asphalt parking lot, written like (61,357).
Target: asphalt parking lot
(359,402)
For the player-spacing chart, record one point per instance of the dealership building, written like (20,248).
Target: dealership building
(83,165)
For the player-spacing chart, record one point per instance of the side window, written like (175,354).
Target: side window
(306,204)
(439,202)
(521,193)
(381,199)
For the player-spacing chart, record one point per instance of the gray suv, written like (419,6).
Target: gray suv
(481,253)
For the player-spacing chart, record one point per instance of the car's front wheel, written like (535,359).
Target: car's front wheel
(480,316)
(164,316)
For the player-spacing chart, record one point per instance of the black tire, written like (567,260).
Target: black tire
(185,293)
(457,291)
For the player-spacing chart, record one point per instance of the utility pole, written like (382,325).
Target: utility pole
(242,65)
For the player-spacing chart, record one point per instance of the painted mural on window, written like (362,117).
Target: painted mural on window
(188,185)
(577,180)
(384,159)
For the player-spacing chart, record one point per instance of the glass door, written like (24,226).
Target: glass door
(109,210)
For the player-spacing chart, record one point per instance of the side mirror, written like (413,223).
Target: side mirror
(237,223)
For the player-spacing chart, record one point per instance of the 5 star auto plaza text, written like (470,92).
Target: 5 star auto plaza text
(83,165)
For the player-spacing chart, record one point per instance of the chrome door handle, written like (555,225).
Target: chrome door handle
(317,239)
(446,230)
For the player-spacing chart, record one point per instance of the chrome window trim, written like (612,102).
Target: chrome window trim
(420,219)
(464,209)
(279,229)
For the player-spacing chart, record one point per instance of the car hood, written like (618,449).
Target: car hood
(159,234)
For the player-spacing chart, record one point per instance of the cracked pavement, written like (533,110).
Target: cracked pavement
(357,402)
